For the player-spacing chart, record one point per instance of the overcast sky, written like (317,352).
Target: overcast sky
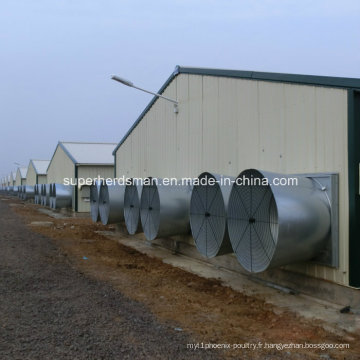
(56,58)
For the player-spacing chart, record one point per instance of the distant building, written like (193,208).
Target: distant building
(37,172)
(79,160)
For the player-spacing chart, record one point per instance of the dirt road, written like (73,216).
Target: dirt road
(69,291)
(50,310)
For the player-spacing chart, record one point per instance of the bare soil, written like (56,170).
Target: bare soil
(150,310)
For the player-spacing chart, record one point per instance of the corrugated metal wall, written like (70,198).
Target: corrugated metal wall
(42,179)
(31,175)
(225,125)
(60,167)
(18,180)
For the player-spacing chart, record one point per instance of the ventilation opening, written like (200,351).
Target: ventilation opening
(253,222)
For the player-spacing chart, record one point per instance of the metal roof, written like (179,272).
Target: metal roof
(82,153)
(328,81)
(23,171)
(40,166)
(13,173)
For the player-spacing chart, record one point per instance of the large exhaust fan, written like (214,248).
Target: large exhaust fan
(164,209)
(60,196)
(28,192)
(272,224)
(132,198)
(208,206)
(111,203)
(45,194)
(94,201)
(37,194)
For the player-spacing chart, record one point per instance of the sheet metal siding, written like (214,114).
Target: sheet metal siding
(225,125)
(18,178)
(92,172)
(42,179)
(60,167)
(31,175)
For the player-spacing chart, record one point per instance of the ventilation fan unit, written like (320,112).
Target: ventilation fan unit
(29,192)
(60,196)
(208,207)
(164,209)
(272,225)
(94,201)
(132,207)
(111,203)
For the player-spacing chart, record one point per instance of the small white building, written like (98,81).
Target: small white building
(37,172)
(21,176)
(76,162)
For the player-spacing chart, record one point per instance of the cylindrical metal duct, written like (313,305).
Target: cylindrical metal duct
(19,192)
(43,195)
(62,196)
(52,196)
(41,191)
(111,203)
(29,192)
(46,199)
(94,201)
(132,198)
(271,226)
(49,195)
(164,209)
(23,194)
(208,207)
(36,192)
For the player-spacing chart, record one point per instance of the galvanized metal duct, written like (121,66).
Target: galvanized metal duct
(46,199)
(132,198)
(52,196)
(271,226)
(29,192)
(19,192)
(41,194)
(22,192)
(94,201)
(164,209)
(39,187)
(46,195)
(37,196)
(62,196)
(15,190)
(111,203)
(208,208)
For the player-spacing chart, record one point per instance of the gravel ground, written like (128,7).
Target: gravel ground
(50,310)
